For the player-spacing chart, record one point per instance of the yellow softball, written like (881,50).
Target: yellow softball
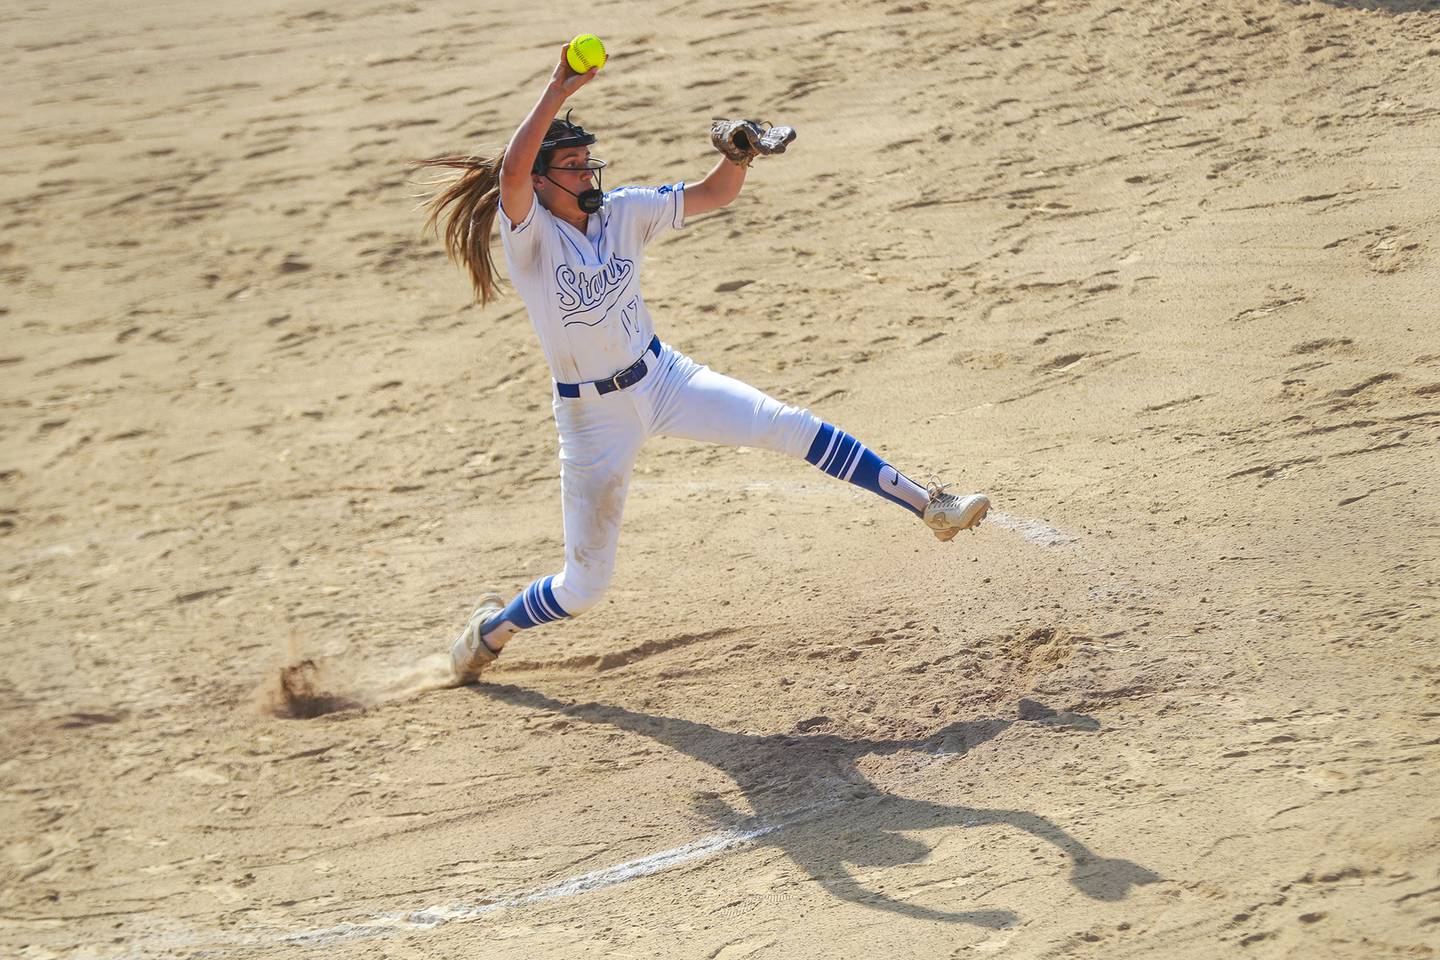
(585,51)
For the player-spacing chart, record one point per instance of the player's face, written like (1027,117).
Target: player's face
(571,168)
(570,177)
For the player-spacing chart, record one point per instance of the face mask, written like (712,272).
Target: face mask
(590,200)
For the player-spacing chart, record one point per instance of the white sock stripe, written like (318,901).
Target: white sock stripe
(842,463)
(840,448)
(835,436)
(538,597)
(545,604)
(854,460)
(530,611)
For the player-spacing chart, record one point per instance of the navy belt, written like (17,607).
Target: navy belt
(628,377)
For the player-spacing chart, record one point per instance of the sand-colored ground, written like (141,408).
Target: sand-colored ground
(1161,278)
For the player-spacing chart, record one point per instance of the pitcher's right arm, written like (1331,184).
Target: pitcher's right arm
(517,192)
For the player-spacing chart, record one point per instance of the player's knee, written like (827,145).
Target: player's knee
(579,593)
(798,427)
(577,603)
(783,429)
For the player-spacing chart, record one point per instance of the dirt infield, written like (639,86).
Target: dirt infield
(1160,279)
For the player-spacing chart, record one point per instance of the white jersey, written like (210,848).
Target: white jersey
(583,289)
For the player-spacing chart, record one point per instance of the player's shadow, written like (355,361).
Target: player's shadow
(1385,6)
(797,784)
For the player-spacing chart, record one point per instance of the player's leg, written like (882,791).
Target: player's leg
(842,456)
(946,514)
(599,440)
(701,404)
(593,502)
(695,402)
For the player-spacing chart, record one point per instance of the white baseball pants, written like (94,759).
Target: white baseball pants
(601,436)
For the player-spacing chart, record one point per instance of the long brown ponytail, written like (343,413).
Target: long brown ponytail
(472,196)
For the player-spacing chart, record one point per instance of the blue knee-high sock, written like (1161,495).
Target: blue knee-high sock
(532,606)
(844,457)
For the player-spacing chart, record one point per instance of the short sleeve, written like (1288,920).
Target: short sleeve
(650,211)
(521,241)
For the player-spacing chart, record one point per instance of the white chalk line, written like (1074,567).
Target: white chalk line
(432,917)
(1036,531)
(436,916)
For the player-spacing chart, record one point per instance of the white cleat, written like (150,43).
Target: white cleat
(469,654)
(947,514)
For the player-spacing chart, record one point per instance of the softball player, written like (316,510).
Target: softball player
(575,256)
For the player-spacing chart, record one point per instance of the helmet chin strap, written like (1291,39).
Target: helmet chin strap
(588,200)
